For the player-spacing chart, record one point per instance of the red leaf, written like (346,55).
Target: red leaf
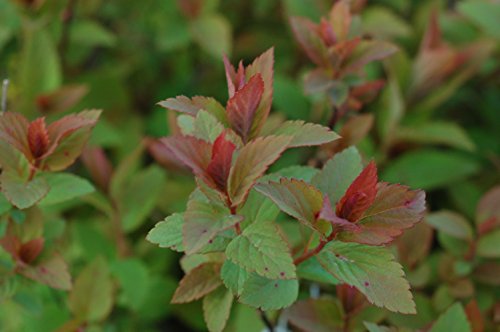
(432,38)
(262,65)
(188,150)
(242,106)
(235,79)
(306,34)
(31,250)
(99,166)
(38,138)
(360,194)
(395,209)
(328,214)
(220,165)
(327,33)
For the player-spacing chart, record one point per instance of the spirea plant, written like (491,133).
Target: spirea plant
(335,221)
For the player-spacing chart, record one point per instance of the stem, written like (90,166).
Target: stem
(120,239)
(308,254)
(266,320)
(233,209)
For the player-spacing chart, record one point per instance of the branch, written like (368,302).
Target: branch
(308,254)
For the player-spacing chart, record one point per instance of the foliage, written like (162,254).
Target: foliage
(291,199)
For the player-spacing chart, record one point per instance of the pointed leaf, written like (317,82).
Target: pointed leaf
(305,33)
(199,282)
(262,65)
(450,223)
(241,108)
(220,165)
(64,187)
(372,270)
(203,220)
(306,134)
(338,174)
(190,151)
(360,194)
(204,126)
(262,249)
(68,137)
(252,162)
(216,309)
(294,197)
(191,106)
(368,51)
(168,233)
(395,209)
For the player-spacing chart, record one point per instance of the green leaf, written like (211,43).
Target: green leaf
(213,33)
(482,13)
(197,283)
(394,209)
(306,134)
(65,186)
(258,208)
(454,319)
(21,193)
(390,111)
(52,272)
(234,277)
(372,270)
(450,223)
(204,126)
(268,294)
(168,233)
(92,296)
(488,245)
(445,133)
(134,279)
(139,197)
(262,249)
(312,270)
(252,162)
(39,66)
(87,33)
(430,169)
(318,315)
(296,198)
(203,220)
(216,309)
(338,174)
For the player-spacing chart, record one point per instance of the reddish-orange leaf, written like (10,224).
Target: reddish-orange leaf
(38,137)
(31,250)
(242,106)
(14,131)
(360,194)
(188,150)
(235,79)
(328,214)
(220,165)
(99,166)
(327,33)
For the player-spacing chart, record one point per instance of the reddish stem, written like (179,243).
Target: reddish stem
(308,254)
